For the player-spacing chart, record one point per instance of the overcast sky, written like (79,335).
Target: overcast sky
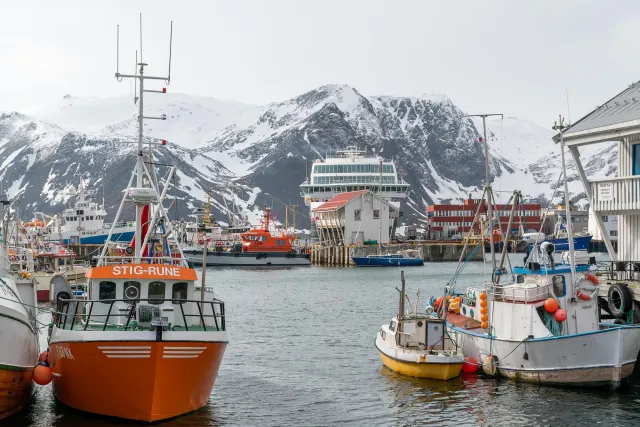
(513,57)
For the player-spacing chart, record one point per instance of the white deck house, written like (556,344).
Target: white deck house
(353,218)
(616,120)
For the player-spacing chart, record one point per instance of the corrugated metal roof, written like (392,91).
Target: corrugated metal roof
(339,201)
(623,107)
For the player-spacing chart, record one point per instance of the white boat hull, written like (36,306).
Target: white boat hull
(604,357)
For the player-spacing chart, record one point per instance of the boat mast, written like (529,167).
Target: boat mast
(488,189)
(560,127)
(380,211)
(140,168)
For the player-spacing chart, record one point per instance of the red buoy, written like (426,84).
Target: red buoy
(42,374)
(560,315)
(44,356)
(470,365)
(551,305)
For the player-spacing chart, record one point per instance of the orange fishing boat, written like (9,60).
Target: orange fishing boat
(144,345)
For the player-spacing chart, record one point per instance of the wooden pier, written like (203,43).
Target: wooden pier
(432,251)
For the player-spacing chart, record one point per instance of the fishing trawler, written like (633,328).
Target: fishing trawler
(18,327)
(260,246)
(418,345)
(150,349)
(542,322)
(84,223)
(349,170)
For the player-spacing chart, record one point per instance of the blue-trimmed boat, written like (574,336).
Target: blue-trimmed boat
(406,258)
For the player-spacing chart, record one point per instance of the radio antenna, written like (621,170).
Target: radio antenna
(118,52)
(135,81)
(168,81)
(141,37)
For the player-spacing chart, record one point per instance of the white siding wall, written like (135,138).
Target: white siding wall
(628,225)
(367,226)
(611,224)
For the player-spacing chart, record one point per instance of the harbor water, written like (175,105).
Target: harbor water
(301,353)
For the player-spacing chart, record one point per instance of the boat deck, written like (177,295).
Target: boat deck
(463,322)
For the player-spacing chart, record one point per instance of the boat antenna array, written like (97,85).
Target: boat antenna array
(140,195)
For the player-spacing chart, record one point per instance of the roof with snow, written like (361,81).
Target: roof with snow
(619,112)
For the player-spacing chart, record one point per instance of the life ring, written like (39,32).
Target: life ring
(583,295)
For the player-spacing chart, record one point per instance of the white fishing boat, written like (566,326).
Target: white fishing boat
(18,330)
(542,323)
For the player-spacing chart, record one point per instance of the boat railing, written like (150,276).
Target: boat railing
(119,224)
(509,292)
(67,316)
(131,259)
(619,270)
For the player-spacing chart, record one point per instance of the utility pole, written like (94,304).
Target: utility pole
(488,184)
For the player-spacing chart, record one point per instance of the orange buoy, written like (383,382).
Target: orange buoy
(560,315)
(484,318)
(44,356)
(470,365)
(483,310)
(551,305)
(484,325)
(42,374)
(483,303)
(483,296)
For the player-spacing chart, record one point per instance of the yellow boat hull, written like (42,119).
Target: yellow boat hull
(436,371)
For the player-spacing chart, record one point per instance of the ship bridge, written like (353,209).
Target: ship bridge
(617,120)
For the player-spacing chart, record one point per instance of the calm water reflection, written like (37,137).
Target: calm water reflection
(301,353)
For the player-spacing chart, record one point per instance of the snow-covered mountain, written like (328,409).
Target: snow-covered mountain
(256,155)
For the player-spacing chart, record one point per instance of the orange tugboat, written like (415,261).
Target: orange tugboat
(144,345)
(259,246)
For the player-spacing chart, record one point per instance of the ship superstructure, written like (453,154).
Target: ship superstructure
(352,169)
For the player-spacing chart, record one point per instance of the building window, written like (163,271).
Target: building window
(376,213)
(107,291)
(179,292)
(605,218)
(357,215)
(156,292)
(613,233)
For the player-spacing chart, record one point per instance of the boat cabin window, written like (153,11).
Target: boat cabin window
(392,326)
(131,291)
(107,291)
(558,286)
(179,292)
(156,292)
(376,213)
(520,278)
(263,238)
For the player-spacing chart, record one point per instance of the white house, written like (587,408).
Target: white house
(353,218)
(610,227)
(616,120)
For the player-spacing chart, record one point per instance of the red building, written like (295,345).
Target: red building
(449,220)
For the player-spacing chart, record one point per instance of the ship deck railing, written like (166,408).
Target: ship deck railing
(120,224)
(66,315)
(619,270)
(132,259)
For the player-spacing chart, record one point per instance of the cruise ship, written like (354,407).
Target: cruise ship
(352,170)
